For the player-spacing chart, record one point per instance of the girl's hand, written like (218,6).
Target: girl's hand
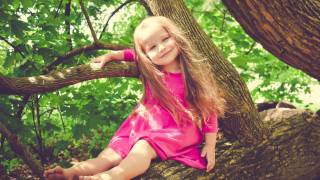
(210,152)
(100,61)
(57,173)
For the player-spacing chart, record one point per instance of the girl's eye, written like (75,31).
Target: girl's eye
(152,47)
(166,39)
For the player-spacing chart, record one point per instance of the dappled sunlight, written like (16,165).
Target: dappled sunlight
(49,78)
(33,80)
(61,75)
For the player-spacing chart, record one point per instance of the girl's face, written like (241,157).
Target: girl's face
(159,46)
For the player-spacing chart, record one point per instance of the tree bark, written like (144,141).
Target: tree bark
(289,29)
(291,152)
(59,79)
(21,150)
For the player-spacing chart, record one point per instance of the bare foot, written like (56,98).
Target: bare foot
(100,176)
(57,173)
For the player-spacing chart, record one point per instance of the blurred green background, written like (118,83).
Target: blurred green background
(84,116)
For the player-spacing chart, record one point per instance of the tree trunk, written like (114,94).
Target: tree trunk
(291,152)
(289,29)
(21,150)
(242,121)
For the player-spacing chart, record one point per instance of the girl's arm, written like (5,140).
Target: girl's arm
(123,55)
(211,139)
(210,130)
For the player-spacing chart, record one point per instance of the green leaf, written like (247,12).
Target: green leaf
(62,144)
(9,61)
(3,16)
(15,4)
(17,28)
(51,127)
(240,61)
(27,3)
(78,130)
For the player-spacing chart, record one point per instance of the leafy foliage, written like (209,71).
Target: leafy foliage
(35,35)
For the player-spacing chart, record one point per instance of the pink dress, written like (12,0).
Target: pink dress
(151,122)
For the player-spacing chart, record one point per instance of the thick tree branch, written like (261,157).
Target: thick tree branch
(59,79)
(93,33)
(112,14)
(87,48)
(288,29)
(291,152)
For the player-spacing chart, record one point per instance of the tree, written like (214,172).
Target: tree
(288,29)
(247,136)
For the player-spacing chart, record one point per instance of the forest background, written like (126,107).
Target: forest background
(78,120)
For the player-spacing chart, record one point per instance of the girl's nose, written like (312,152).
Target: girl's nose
(161,48)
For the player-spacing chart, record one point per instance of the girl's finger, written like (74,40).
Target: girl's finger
(84,177)
(209,167)
(203,153)
(58,170)
(48,172)
(94,60)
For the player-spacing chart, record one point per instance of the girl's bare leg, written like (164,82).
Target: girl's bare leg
(107,159)
(135,163)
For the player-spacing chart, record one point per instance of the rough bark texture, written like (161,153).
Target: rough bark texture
(59,79)
(291,152)
(242,121)
(21,150)
(289,29)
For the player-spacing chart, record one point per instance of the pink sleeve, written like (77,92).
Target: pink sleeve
(212,124)
(128,55)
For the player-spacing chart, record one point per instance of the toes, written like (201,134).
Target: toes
(86,178)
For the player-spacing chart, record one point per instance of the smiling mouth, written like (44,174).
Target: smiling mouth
(165,53)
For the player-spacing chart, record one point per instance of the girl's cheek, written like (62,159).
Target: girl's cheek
(152,55)
(172,42)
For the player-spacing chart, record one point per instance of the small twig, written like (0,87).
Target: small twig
(251,48)
(223,21)
(222,26)
(48,110)
(58,9)
(25,100)
(64,127)
(112,14)
(67,23)
(88,21)
(2,139)
(16,48)
(146,7)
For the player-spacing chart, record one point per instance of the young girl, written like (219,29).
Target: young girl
(178,110)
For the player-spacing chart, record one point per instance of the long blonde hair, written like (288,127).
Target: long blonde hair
(201,91)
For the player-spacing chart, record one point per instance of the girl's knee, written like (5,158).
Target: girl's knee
(144,146)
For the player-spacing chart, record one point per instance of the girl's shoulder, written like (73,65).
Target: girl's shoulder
(129,55)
